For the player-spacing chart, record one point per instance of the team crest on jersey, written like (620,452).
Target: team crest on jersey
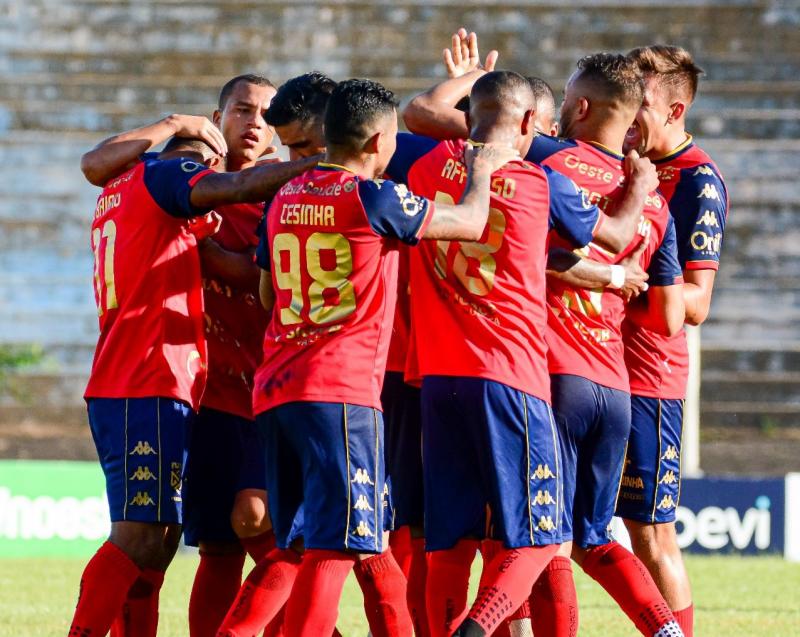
(543,498)
(143,448)
(142,473)
(709,191)
(669,478)
(666,503)
(349,186)
(175,476)
(671,453)
(142,499)
(362,504)
(362,477)
(363,530)
(546,523)
(543,473)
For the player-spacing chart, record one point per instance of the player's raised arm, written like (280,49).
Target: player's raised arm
(465,221)
(114,155)
(434,113)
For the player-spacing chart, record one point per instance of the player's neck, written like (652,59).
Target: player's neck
(669,143)
(233,165)
(358,165)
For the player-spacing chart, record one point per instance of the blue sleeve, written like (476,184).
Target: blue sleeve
(543,146)
(409,149)
(394,211)
(263,256)
(664,268)
(700,207)
(170,184)
(571,214)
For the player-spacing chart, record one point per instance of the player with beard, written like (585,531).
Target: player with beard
(224,510)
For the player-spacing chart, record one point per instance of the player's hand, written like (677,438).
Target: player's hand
(463,57)
(635,276)
(199,127)
(205,226)
(489,157)
(641,171)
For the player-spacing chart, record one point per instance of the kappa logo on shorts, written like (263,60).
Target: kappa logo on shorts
(362,504)
(175,476)
(143,448)
(546,523)
(669,478)
(543,497)
(363,530)
(142,499)
(143,473)
(362,477)
(671,453)
(666,503)
(543,473)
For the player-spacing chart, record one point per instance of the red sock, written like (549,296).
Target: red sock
(446,587)
(554,601)
(400,543)
(489,549)
(262,595)
(321,579)
(626,579)
(259,546)
(216,583)
(105,583)
(415,595)
(685,619)
(139,614)
(507,582)
(384,587)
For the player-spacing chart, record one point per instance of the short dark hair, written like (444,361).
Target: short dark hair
(176,143)
(617,76)
(230,85)
(353,106)
(542,93)
(300,99)
(674,67)
(505,87)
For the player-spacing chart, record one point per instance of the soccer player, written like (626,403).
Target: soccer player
(330,248)
(149,367)
(224,497)
(489,443)
(658,366)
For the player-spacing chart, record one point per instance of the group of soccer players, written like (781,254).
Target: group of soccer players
(509,301)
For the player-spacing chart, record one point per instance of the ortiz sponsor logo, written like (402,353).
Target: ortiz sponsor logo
(714,528)
(46,518)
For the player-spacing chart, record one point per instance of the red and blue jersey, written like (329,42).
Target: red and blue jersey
(331,245)
(147,285)
(478,308)
(234,320)
(698,201)
(584,334)
(401,328)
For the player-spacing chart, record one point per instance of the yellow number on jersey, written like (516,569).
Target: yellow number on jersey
(105,262)
(319,311)
(482,283)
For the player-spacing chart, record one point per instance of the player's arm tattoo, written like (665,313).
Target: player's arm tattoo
(247,186)
(697,288)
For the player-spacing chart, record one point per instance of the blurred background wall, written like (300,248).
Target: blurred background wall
(75,71)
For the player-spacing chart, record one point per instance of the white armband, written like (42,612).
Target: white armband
(617,277)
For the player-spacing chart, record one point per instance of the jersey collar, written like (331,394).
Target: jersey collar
(606,150)
(328,166)
(684,146)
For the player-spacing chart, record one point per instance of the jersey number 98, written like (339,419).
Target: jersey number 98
(320,309)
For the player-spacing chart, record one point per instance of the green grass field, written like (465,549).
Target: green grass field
(735,597)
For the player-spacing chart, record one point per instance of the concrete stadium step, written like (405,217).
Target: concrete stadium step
(759,387)
(762,416)
(751,359)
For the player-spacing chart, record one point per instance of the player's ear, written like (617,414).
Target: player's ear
(527,124)
(583,108)
(373,144)
(216,117)
(676,110)
(214,162)
(554,129)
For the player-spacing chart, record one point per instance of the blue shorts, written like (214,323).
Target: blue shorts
(325,475)
(593,424)
(403,417)
(651,483)
(224,456)
(140,443)
(491,464)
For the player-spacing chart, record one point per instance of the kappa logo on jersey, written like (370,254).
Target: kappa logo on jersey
(709,191)
(142,499)
(543,473)
(546,523)
(666,503)
(143,448)
(143,473)
(363,530)
(175,476)
(708,219)
(703,170)
(669,478)
(362,477)
(671,453)
(362,504)
(543,497)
